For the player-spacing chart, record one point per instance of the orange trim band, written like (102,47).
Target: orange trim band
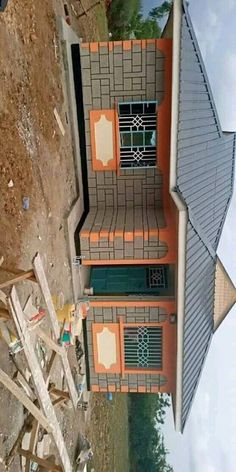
(142,389)
(93,47)
(126,45)
(169,306)
(168,258)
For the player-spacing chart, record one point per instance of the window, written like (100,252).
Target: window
(137,125)
(157,276)
(143,347)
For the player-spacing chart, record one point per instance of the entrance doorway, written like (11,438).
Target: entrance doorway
(133,279)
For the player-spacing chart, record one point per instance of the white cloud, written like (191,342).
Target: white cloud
(223,84)
(208,30)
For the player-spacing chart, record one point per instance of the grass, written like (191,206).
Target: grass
(94,25)
(102,23)
(108,433)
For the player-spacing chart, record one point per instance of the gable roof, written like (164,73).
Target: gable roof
(201,183)
(204,169)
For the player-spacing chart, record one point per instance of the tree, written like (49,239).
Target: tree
(158,13)
(126,20)
(147,447)
(146,29)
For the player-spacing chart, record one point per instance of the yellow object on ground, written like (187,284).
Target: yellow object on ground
(66,313)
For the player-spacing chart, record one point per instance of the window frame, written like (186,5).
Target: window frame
(138,122)
(140,370)
(140,350)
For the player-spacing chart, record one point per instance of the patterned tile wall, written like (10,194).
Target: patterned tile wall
(133,200)
(132,315)
(118,75)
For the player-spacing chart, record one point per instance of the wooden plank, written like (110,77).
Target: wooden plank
(42,281)
(50,363)
(59,122)
(23,276)
(33,441)
(59,393)
(4,314)
(3,297)
(69,379)
(26,427)
(48,465)
(35,428)
(37,375)
(15,271)
(22,397)
(49,341)
(58,401)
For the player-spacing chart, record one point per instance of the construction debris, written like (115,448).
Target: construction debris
(59,122)
(10,183)
(86,453)
(25,203)
(28,324)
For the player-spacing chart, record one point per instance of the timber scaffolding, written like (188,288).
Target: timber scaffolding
(46,397)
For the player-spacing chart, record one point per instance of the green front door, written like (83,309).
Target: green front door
(131,279)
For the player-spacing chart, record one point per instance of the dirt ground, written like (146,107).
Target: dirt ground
(37,162)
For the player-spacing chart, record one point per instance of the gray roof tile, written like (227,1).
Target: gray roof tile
(205,165)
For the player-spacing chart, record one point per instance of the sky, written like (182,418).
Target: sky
(209,440)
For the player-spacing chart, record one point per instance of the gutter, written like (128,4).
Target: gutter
(181,206)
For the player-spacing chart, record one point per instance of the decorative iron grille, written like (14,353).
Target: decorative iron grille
(143,347)
(157,277)
(137,125)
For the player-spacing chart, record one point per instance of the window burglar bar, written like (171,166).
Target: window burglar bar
(143,347)
(137,126)
(157,277)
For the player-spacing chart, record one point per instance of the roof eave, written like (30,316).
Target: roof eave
(181,206)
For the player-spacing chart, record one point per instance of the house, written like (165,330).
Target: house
(159,173)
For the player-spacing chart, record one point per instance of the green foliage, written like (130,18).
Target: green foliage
(147,29)
(147,448)
(121,15)
(158,13)
(126,21)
